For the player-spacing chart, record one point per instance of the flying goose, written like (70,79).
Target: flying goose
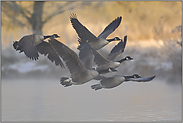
(32,44)
(111,82)
(104,65)
(95,42)
(79,74)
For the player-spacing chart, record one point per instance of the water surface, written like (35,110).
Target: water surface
(47,100)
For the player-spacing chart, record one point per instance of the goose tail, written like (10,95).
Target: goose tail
(65,81)
(16,46)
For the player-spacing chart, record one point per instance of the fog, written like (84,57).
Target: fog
(150,58)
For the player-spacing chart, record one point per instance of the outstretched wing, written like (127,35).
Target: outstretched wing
(86,55)
(117,50)
(142,79)
(45,49)
(69,56)
(110,28)
(81,30)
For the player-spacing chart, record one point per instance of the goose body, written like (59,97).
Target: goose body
(110,66)
(32,44)
(37,38)
(116,80)
(79,74)
(95,42)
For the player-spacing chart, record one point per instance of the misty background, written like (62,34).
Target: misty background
(31,90)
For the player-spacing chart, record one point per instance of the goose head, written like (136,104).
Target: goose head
(55,36)
(136,76)
(127,78)
(116,39)
(128,58)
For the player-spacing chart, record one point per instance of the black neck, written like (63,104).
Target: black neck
(128,77)
(109,40)
(122,60)
(48,36)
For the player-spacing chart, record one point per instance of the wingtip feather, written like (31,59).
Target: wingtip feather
(73,16)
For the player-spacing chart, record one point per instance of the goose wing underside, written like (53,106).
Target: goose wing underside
(27,45)
(45,48)
(86,56)
(69,56)
(142,79)
(110,28)
(99,59)
(117,50)
(81,30)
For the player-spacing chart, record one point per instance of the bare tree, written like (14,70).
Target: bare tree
(14,9)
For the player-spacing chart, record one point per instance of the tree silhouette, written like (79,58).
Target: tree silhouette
(14,10)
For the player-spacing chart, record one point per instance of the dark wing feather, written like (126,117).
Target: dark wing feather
(45,49)
(27,45)
(86,55)
(81,30)
(117,50)
(110,28)
(69,56)
(142,79)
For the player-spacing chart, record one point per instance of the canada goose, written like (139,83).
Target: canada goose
(32,44)
(79,74)
(117,50)
(95,42)
(111,82)
(105,65)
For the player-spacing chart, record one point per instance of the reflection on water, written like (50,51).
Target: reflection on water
(47,100)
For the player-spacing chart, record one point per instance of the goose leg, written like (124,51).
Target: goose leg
(96,87)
